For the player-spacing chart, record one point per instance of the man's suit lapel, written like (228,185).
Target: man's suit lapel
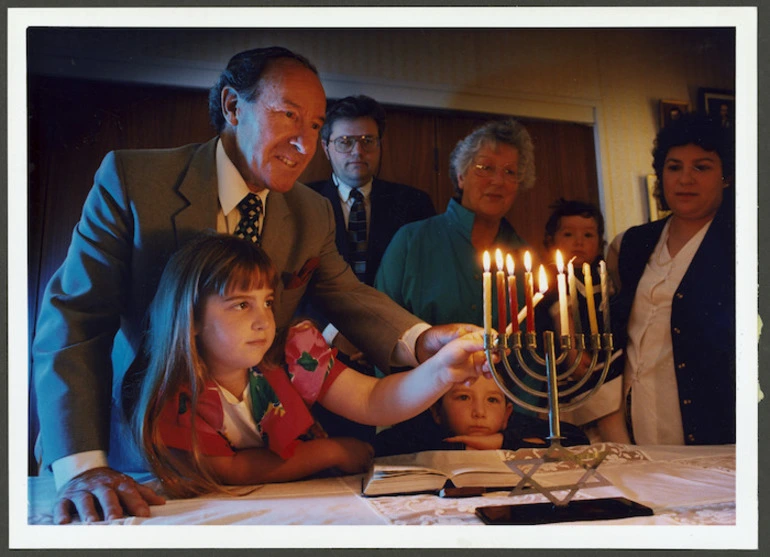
(278,230)
(199,195)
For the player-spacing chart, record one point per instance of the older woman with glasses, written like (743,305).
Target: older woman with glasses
(433,267)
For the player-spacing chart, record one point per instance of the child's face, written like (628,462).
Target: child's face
(480,409)
(235,330)
(578,237)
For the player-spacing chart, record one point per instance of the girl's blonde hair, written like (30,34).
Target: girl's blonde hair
(212,264)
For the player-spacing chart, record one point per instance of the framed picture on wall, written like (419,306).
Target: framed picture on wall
(671,110)
(652,202)
(718,103)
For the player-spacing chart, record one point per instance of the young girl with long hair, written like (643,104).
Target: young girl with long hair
(225,401)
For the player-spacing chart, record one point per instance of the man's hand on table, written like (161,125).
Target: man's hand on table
(103,492)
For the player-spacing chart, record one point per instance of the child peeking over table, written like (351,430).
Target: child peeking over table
(576,228)
(471,416)
(220,403)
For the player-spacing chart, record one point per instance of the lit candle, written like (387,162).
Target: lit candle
(500,285)
(487,289)
(589,282)
(513,296)
(529,288)
(562,286)
(573,298)
(605,305)
(542,282)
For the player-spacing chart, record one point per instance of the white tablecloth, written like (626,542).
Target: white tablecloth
(683,485)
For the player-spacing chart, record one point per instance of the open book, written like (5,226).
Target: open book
(430,470)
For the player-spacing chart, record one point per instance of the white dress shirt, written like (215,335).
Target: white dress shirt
(649,371)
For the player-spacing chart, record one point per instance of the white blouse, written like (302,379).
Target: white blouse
(649,371)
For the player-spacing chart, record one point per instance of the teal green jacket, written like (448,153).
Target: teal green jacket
(432,269)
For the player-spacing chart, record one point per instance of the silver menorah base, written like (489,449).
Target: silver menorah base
(559,508)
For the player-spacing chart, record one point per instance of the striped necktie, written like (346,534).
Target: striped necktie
(357,234)
(251,210)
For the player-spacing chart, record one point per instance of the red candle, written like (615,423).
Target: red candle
(513,296)
(529,290)
(500,285)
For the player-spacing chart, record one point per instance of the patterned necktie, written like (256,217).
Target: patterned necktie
(251,210)
(357,234)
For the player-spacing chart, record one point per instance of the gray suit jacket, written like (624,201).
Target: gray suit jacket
(142,207)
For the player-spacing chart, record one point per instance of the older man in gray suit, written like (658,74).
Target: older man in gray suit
(268,107)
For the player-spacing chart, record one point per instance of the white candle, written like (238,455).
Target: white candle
(605,305)
(562,287)
(529,291)
(487,290)
(573,298)
(589,282)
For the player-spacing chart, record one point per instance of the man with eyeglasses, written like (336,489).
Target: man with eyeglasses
(351,138)
(367,211)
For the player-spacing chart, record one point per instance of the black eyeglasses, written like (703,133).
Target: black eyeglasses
(345,143)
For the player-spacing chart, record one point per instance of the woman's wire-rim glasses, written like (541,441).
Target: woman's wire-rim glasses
(488,171)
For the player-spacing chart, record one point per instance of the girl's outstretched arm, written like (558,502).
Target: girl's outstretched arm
(256,466)
(401,396)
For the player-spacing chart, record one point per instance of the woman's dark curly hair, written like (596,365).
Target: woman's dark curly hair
(692,129)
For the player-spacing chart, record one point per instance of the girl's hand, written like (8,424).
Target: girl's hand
(463,359)
(434,339)
(351,455)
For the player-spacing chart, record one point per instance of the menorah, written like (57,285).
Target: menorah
(544,369)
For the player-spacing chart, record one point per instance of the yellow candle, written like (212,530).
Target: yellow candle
(605,305)
(562,286)
(500,285)
(573,298)
(487,290)
(589,282)
(529,288)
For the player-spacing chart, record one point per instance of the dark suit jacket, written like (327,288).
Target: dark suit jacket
(142,207)
(393,205)
(702,324)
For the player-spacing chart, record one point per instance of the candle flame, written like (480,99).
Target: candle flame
(499,259)
(543,280)
(527,261)
(509,264)
(559,261)
(487,262)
